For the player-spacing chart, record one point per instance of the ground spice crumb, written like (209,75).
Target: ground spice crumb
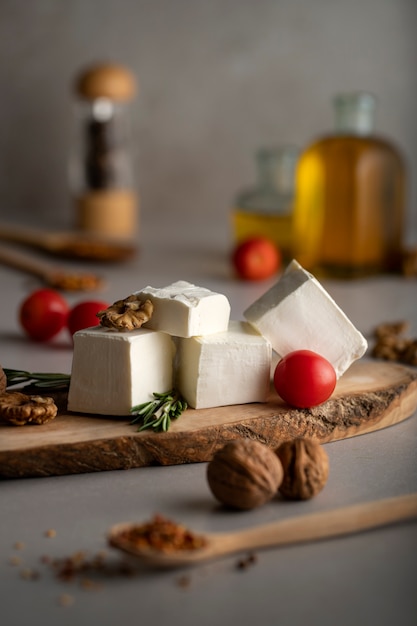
(80,565)
(51,532)
(127,570)
(15,560)
(89,585)
(18,545)
(184,582)
(29,574)
(68,567)
(66,600)
(247,561)
(45,559)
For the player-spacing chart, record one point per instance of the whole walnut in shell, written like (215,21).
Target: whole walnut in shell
(244,474)
(306,468)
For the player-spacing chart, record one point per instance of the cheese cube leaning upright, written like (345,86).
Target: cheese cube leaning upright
(113,371)
(231,367)
(297,313)
(185,310)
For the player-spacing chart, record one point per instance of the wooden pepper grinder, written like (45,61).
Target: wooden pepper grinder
(101,168)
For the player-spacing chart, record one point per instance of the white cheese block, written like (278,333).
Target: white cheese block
(184,310)
(231,367)
(297,313)
(113,371)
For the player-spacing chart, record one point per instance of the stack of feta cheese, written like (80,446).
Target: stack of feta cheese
(191,343)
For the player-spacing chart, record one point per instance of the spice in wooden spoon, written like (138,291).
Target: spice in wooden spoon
(162,543)
(52,276)
(74,281)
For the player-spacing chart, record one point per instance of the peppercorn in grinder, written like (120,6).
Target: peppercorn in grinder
(102,176)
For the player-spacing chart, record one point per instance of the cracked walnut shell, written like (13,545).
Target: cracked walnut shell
(244,474)
(306,468)
(19,409)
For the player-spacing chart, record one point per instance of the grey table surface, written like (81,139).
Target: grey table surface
(368,578)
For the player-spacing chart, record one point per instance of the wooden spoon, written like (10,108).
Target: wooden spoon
(49,274)
(312,527)
(76,245)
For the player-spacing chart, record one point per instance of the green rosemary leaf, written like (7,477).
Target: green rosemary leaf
(158,413)
(163,396)
(143,409)
(37,379)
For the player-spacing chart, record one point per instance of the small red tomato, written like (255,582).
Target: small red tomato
(43,314)
(257,258)
(84,315)
(304,379)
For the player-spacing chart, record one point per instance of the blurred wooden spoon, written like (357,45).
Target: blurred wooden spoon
(71,244)
(312,527)
(49,274)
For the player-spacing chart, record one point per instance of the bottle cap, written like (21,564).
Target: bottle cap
(106,80)
(355,112)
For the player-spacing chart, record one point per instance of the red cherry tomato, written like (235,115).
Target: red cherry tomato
(84,315)
(43,314)
(304,379)
(257,258)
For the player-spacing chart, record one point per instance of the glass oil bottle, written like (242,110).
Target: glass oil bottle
(350,197)
(266,209)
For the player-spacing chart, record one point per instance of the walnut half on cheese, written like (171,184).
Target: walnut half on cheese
(297,313)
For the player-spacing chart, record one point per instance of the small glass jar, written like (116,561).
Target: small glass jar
(102,176)
(265,210)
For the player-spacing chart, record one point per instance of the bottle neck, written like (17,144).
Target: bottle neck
(276,168)
(355,113)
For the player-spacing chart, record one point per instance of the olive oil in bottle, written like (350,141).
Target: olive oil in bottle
(265,210)
(350,197)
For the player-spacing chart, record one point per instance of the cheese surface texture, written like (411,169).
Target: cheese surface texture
(231,367)
(297,313)
(185,310)
(113,371)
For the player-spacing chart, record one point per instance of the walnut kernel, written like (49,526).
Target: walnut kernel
(392,345)
(127,314)
(244,474)
(19,409)
(306,468)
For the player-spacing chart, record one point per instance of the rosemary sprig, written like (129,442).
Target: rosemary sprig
(158,413)
(37,379)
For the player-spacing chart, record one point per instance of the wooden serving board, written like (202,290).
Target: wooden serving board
(371,395)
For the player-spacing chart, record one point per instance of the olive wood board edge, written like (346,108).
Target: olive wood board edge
(370,396)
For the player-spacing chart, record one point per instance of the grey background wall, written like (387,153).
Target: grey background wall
(218,79)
